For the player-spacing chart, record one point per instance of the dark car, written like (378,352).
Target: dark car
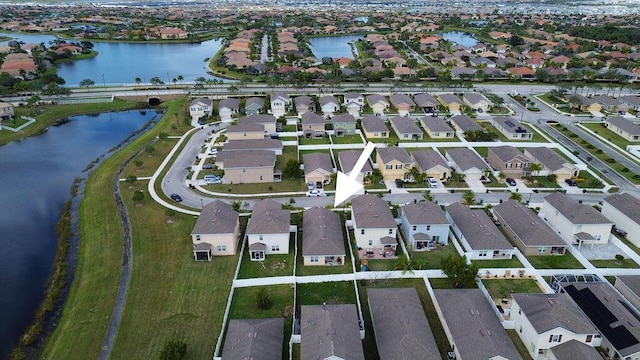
(399,183)
(571,182)
(175,197)
(510,181)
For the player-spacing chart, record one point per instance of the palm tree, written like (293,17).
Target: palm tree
(535,169)
(138,81)
(415,173)
(515,196)
(502,176)
(403,263)
(469,197)
(180,78)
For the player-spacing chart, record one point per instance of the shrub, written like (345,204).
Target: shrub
(263,300)
(138,163)
(174,350)
(138,196)
(163,135)
(611,160)
(619,257)
(131,179)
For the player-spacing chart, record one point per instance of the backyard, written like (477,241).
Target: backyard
(503,288)
(566,261)
(272,265)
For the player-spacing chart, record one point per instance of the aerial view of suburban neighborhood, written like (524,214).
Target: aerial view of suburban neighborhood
(320,180)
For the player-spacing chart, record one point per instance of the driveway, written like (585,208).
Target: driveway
(391,185)
(476,186)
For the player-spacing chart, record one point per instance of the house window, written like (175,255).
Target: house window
(370,242)
(244,170)
(597,237)
(361,231)
(198,237)
(275,247)
(520,313)
(520,329)
(390,231)
(589,338)
(261,237)
(389,167)
(509,165)
(314,259)
(519,166)
(428,227)
(375,134)
(555,338)
(399,167)
(483,253)
(542,249)
(384,133)
(406,136)
(260,177)
(436,134)
(415,228)
(436,238)
(222,248)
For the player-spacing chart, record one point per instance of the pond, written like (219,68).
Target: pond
(37,174)
(460,38)
(333,46)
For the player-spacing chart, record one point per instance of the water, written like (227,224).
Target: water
(121,63)
(37,174)
(460,38)
(333,46)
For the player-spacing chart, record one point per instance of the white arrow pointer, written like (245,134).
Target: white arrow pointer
(346,186)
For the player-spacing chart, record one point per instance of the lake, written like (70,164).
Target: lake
(37,174)
(121,63)
(333,46)
(460,38)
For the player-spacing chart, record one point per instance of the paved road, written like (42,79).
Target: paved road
(264,51)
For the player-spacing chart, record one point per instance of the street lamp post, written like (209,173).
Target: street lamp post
(201,204)
(104,84)
(168,78)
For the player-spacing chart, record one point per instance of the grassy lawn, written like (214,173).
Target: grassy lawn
(273,265)
(370,348)
(613,263)
(347,139)
(261,188)
(601,130)
(52,113)
(522,349)
(15,122)
(494,183)
(550,100)
(501,263)
(501,137)
(543,182)
(149,162)
(587,180)
(160,251)
(566,261)
(628,243)
(431,259)
(244,306)
(381,265)
(288,153)
(315,141)
(336,292)
(503,288)
(482,151)
(289,128)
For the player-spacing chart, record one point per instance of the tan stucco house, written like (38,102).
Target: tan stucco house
(322,240)
(216,231)
(247,166)
(394,163)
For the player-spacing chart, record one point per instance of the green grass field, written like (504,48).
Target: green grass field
(273,265)
(503,288)
(566,261)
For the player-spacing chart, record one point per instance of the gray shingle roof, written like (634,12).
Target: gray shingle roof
(281,96)
(373,123)
(549,311)
(330,330)
(314,161)
(427,159)
(575,350)
(348,158)
(216,218)
(526,224)
(256,339)
(241,128)
(631,99)
(547,157)
(401,99)
(394,153)
(466,159)
(370,211)
(343,118)
(424,213)
(435,124)
(352,96)
(626,204)
(632,282)
(230,103)
(257,101)
(624,124)
(450,98)
(252,144)
(466,123)
(375,98)
(425,100)
(606,100)
(477,228)
(311,118)
(257,119)
(476,330)
(269,218)
(475,98)
(575,212)
(247,158)
(405,125)
(202,100)
(505,153)
(400,325)
(327,100)
(322,233)
(303,100)
(511,125)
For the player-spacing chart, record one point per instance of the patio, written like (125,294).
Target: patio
(388,252)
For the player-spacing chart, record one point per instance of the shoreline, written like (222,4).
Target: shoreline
(63,36)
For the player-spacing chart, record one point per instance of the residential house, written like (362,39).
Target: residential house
(426,102)
(463,123)
(479,236)
(313,125)
(424,225)
(257,339)
(576,222)
(623,127)
(451,102)
(406,128)
(353,102)
(329,105)
(317,169)
(303,104)
(374,128)
(400,325)
(629,287)
(347,160)
(527,231)
(330,331)
(610,104)
(268,230)
(394,163)
(274,145)
(573,350)
(437,128)
(552,163)
(615,319)
(471,325)
(254,105)
(280,104)
(378,104)
(322,238)
(585,104)
(245,132)
(631,101)
(343,124)
(466,162)
(477,102)
(373,224)
(6,111)
(624,211)
(247,166)
(511,128)
(431,163)
(544,321)
(169,33)
(227,108)
(268,121)
(402,103)
(508,160)
(216,231)
(198,109)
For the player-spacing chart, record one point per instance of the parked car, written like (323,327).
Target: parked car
(432,182)
(175,197)
(310,185)
(571,182)
(215,180)
(213,152)
(510,181)
(399,183)
(207,166)
(312,193)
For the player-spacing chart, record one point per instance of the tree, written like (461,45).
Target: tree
(263,300)
(235,205)
(403,263)
(156,81)
(87,82)
(502,176)
(458,271)
(131,179)
(469,197)
(515,196)
(180,78)
(292,170)
(174,350)
(535,168)
(150,149)
(138,196)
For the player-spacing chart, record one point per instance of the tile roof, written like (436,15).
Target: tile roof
(370,211)
(392,153)
(322,233)
(269,218)
(478,229)
(256,339)
(428,159)
(550,311)
(575,212)
(527,225)
(424,213)
(626,204)
(330,330)
(466,159)
(216,217)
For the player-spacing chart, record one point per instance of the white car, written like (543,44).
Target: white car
(312,193)
(432,182)
(213,152)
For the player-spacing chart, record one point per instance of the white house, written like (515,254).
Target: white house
(280,104)
(354,102)
(424,225)
(329,105)
(200,108)
(373,223)
(467,162)
(227,108)
(624,211)
(544,321)
(580,224)
(268,230)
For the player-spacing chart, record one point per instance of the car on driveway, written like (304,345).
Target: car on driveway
(432,182)
(213,152)
(399,183)
(175,197)
(313,193)
(207,166)
(510,181)
(571,182)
